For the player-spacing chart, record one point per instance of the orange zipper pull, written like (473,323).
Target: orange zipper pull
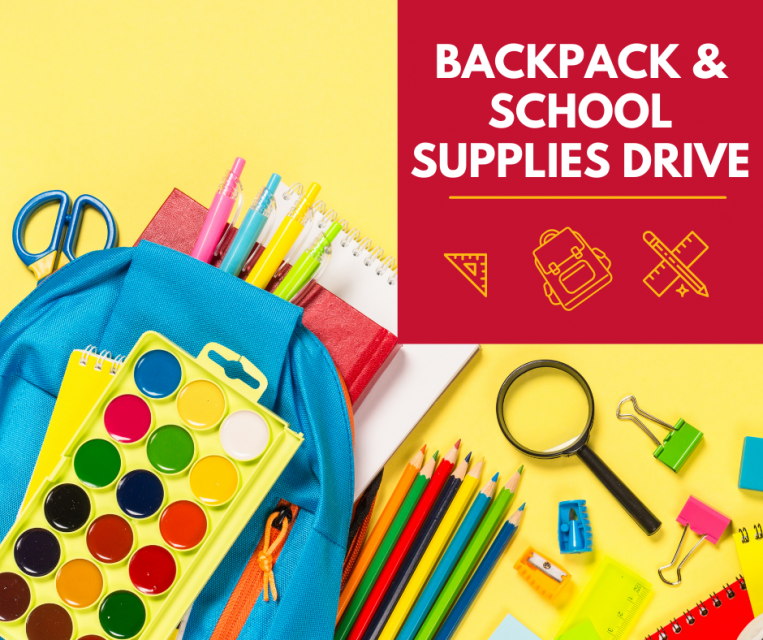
(255,580)
(265,557)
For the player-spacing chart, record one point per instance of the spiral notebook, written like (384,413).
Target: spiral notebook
(722,616)
(749,544)
(353,311)
(87,374)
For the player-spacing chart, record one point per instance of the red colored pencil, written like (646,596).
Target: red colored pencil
(404,543)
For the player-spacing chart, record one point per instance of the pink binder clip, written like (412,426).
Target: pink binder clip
(704,521)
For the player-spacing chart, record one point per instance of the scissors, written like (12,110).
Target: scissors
(65,231)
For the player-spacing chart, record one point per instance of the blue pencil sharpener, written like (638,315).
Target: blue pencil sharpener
(574,527)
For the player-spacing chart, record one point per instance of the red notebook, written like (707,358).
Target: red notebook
(722,616)
(360,348)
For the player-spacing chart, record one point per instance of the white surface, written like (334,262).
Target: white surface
(244,435)
(411,384)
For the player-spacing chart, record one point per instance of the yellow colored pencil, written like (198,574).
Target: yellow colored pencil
(432,555)
(377,535)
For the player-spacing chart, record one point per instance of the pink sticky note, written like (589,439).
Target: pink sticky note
(703,520)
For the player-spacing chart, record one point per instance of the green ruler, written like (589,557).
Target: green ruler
(611,602)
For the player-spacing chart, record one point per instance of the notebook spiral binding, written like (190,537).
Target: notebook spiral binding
(103,356)
(704,611)
(746,536)
(384,267)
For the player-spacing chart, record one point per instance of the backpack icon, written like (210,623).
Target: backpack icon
(572,271)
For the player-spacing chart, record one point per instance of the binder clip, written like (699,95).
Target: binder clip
(546,577)
(574,527)
(677,446)
(704,521)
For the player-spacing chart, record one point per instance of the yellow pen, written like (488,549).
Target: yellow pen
(283,239)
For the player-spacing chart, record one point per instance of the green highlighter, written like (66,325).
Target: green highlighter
(309,262)
(677,446)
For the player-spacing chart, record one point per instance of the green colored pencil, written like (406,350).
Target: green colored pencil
(385,549)
(468,561)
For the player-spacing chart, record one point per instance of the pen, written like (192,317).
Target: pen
(283,239)
(251,228)
(228,192)
(308,264)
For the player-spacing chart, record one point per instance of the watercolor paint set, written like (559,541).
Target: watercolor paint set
(155,486)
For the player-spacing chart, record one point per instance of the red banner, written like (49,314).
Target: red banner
(580,172)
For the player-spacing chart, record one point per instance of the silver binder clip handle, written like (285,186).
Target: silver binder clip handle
(641,412)
(675,558)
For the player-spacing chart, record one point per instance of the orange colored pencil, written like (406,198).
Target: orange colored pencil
(380,530)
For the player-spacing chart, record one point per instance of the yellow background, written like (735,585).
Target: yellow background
(128,100)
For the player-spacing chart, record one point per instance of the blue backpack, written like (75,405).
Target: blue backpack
(109,298)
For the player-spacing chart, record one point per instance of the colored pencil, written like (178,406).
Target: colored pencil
(417,550)
(433,552)
(385,549)
(488,563)
(404,543)
(451,556)
(468,561)
(382,526)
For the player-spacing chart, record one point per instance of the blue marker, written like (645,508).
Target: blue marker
(251,228)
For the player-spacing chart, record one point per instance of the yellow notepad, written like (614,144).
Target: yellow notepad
(750,550)
(87,376)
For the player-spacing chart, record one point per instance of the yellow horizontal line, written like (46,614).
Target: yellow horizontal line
(587,197)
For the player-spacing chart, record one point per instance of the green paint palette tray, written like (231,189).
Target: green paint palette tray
(149,495)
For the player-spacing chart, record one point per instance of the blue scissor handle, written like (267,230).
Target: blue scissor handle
(44,263)
(76,222)
(19,226)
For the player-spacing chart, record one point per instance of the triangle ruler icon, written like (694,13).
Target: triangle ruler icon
(473,266)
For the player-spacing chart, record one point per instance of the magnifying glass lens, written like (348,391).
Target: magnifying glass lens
(545,410)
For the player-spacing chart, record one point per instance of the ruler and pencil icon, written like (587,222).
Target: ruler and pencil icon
(675,265)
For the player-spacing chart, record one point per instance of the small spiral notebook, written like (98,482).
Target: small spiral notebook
(353,311)
(749,544)
(87,374)
(722,616)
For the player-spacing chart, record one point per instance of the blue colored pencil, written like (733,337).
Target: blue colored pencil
(449,560)
(474,585)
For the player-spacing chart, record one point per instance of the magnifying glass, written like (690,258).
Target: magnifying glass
(577,445)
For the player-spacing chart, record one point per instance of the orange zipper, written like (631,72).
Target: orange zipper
(250,585)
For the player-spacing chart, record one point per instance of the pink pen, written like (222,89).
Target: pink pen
(228,192)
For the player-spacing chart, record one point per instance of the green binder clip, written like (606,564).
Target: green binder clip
(678,445)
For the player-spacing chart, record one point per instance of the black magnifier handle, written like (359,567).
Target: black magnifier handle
(635,508)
